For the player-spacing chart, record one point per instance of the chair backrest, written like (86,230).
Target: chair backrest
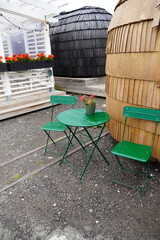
(142,113)
(69,100)
(63,100)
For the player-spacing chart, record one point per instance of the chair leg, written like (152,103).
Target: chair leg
(118,163)
(48,137)
(45,150)
(146,176)
(68,145)
(69,140)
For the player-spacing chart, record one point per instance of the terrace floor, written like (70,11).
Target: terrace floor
(41,201)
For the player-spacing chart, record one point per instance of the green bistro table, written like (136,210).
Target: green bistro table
(78,118)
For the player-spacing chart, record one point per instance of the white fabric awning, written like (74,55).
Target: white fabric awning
(23,14)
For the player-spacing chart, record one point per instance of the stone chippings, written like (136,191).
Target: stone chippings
(53,205)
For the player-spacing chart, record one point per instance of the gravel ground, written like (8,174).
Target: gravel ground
(53,205)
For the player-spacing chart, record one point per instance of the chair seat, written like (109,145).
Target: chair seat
(133,151)
(54,126)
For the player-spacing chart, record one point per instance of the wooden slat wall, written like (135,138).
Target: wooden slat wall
(134,91)
(133,78)
(132,38)
(132,11)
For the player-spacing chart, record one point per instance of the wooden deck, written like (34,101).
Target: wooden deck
(27,104)
(95,85)
(37,101)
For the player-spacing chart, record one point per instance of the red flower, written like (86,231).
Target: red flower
(51,56)
(83,98)
(15,59)
(88,101)
(25,58)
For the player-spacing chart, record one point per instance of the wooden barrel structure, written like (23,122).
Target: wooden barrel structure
(78,41)
(133,68)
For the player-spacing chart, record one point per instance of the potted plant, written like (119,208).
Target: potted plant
(23,62)
(90,104)
(3,66)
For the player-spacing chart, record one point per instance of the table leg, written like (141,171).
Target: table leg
(74,135)
(95,147)
(70,142)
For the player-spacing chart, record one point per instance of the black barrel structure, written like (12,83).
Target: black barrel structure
(78,41)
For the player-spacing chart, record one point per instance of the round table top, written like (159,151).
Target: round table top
(78,118)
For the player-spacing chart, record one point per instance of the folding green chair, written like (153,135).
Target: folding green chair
(134,151)
(55,126)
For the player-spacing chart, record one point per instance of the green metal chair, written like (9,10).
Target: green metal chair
(55,126)
(134,151)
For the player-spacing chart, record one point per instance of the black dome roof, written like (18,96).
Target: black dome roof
(78,41)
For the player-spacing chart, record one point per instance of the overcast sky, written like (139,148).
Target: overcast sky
(109,5)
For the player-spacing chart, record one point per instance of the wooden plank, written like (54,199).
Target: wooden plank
(134,37)
(142,137)
(118,88)
(139,35)
(122,38)
(143,37)
(144,93)
(158,98)
(129,42)
(136,133)
(110,85)
(134,65)
(150,94)
(148,35)
(107,84)
(154,101)
(18,112)
(126,89)
(126,32)
(157,47)
(112,41)
(27,104)
(115,40)
(109,43)
(132,12)
(153,39)
(130,93)
(149,139)
(140,91)
(115,84)
(135,91)
(119,39)
(122,89)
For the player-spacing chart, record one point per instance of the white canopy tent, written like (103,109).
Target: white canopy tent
(27,16)
(24,28)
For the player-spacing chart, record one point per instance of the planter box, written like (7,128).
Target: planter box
(24,66)
(3,67)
